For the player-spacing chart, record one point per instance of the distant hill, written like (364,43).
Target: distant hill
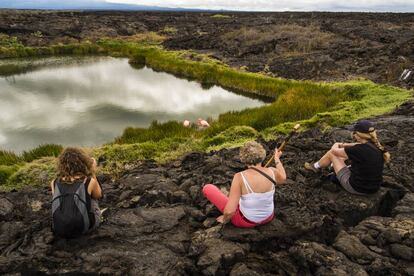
(79,5)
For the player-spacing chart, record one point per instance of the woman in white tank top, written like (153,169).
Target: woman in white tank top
(250,202)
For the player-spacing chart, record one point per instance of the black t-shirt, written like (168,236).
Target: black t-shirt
(367,164)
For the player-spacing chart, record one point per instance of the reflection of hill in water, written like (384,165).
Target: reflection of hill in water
(14,67)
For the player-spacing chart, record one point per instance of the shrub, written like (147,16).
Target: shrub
(6,172)
(292,38)
(169,30)
(8,158)
(220,16)
(232,135)
(157,131)
(37,34)
(37,173)
(149,38)
(42,151)
(9,41)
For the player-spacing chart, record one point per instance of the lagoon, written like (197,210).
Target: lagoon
(88,101)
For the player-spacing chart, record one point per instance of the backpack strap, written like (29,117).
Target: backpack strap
(86,182)
(81,202)
(265,175)
(89,202)
(57,193)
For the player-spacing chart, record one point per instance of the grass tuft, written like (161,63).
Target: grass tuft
(156,132)
(8,158)
(220,16)
(38,173)
(6,172)
(42,151)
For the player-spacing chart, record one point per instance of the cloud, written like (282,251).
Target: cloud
(284,5)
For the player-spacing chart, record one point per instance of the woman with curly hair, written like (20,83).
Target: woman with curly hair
(76,191)
(250,202)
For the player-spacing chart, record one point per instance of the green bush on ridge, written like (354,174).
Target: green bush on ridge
(11,163)
(47,150)
(6,172)
(155,132)
(8,158)
(37,173)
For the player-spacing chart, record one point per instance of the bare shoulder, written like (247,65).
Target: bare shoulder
(237,175)
(52,185)
(237,179)
(93,183)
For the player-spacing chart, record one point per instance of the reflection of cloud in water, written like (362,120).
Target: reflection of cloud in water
(3,139)
(92,103)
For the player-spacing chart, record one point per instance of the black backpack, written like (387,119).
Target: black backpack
(70,212)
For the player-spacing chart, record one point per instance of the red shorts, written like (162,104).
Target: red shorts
(215,196)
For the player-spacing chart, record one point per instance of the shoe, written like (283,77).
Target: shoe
(310,167)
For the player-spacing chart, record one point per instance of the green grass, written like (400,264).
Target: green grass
(116,156)
(155,132)
(169,30)
(6,172)
(38,173)
(9,41)
(11,164)
(42,151)
(220,16)
(8,158)
(17,50)
(371,100)
(312,104)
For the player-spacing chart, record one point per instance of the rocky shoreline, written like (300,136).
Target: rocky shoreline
(159,223)
(297,45)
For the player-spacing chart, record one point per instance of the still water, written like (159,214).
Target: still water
(90,101)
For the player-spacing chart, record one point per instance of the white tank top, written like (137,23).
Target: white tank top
(257,207)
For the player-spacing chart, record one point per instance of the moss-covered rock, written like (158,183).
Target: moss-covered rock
(6,172)
(232,137)
(37,173)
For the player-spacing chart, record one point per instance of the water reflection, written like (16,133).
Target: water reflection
(89,102)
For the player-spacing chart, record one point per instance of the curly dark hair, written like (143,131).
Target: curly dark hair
(74,162)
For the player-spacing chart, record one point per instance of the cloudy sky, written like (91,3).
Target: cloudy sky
(284,5)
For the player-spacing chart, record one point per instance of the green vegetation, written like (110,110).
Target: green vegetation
(312,104)
(146,39)
(366,99)
(169,30)
(8,158)
(37,173)
(42,151)
(11,47)
(6,172)
(220,16)
(296,38)
(232,137)
(13,167)
(9,41)
(37,34)
(155,132)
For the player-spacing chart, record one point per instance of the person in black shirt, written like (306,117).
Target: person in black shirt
(366,155)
